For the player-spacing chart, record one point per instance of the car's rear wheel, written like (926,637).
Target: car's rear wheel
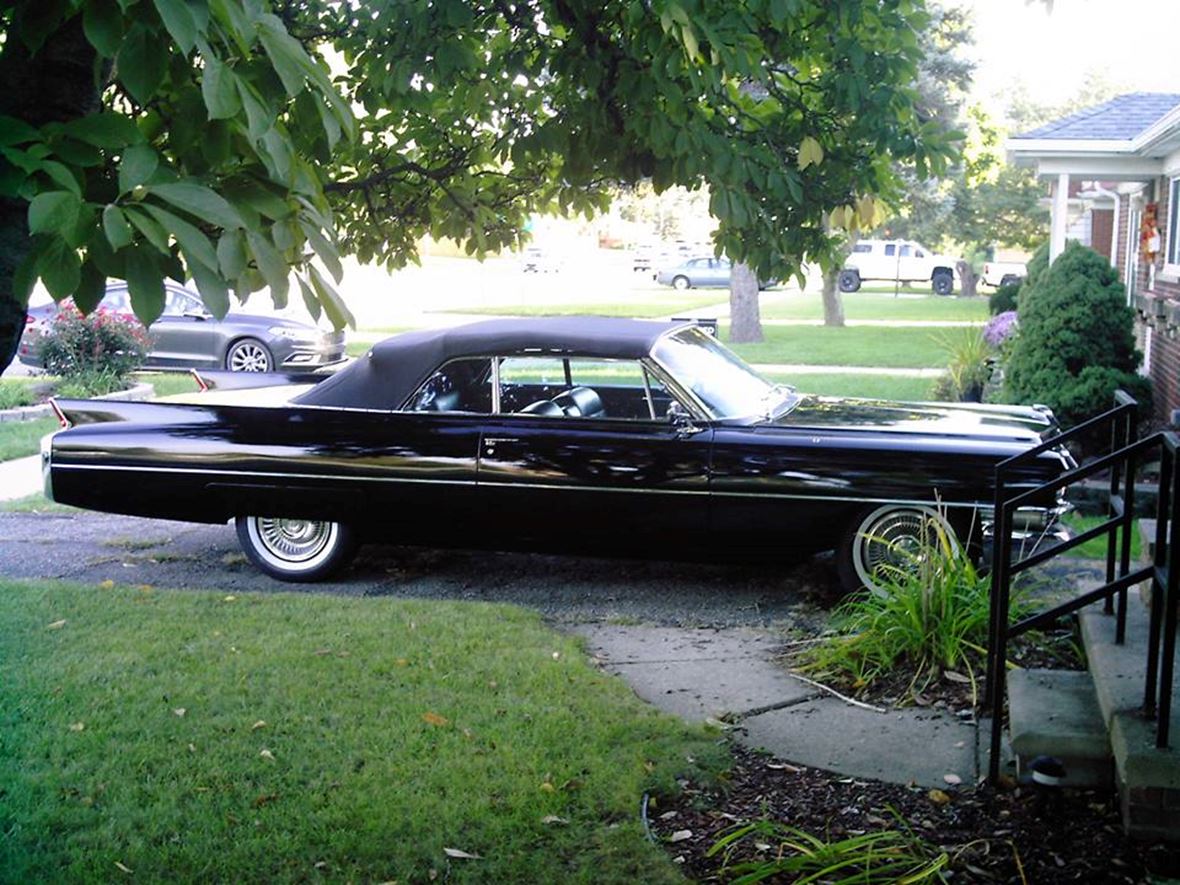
(943,283)
(681,283)
(849,281)
(891,536)
(249,355)
(296,549)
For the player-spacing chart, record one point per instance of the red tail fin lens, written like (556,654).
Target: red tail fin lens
(200,381)
(61,416)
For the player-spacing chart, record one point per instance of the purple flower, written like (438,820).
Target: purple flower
(1000,328)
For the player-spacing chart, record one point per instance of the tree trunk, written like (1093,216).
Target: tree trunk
(55,85)
(967,278)
(833,303)
(745,322)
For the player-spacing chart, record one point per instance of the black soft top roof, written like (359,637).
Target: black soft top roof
(386,376)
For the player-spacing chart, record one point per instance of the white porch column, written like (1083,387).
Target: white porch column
(1060,214)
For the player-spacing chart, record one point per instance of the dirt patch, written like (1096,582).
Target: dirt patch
(988,836)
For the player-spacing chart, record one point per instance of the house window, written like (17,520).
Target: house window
(1172,257)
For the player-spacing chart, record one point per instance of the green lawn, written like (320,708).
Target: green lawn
(168,383)
(206,736)
(17,392)
(888,347)
(646,305)
(870,306)
(869,386)
(1096,547)
(21,438)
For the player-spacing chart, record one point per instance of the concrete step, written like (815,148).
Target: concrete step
(1055,713)
(1147,777)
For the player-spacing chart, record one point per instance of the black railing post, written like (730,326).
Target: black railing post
(1159,560)
(1167,665)
(1125,530)
(1002,554)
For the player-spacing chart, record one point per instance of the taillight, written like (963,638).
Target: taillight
(61,416)
(200,381)
(30,319)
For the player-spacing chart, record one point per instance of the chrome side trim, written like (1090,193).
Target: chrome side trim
(204,471)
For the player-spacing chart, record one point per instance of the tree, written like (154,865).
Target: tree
(207,138)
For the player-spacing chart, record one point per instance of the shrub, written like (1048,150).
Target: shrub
(15,393)
(968,365)
(1076,342)
(93,354)
(1004,298)
(1037,265)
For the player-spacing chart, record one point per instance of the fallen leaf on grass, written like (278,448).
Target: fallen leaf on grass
(265,799)
(938,797)
(554,819)
(107,584)
(680,836)
(431,718)
(463,855)
(548,787)
(124,868)
(229,598)
(56,625)
(261,723)
(77,726)
(267,754)
(179,711)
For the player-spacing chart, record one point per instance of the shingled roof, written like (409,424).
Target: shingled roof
(1120,119)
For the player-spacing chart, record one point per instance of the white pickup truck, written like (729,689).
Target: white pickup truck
(1001,273)
(898,260)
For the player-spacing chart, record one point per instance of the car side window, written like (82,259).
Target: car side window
(179,303)
(459,386)
(862,247)
(890,249)
(906,251)
(918,253)
(581,388)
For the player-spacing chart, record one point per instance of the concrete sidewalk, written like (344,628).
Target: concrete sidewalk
(709,674)
(20,478)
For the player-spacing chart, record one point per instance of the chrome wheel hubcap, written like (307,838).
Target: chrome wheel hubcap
(249,358)
(895,538)
(294,540)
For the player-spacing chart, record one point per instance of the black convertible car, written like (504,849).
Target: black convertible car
(609,436)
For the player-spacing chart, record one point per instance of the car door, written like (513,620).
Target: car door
(185,334)
(617,476)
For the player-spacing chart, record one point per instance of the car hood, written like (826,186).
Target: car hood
(1012,423)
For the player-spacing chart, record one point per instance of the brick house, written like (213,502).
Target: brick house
(1114,170)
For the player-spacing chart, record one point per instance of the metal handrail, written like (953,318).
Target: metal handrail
(1126,454)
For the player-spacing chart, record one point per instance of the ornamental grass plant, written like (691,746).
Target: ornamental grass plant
(930,615)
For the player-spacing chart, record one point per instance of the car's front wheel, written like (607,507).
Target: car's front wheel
(296,549)
(889,537)
(249,355)
(849,281)
(681,283)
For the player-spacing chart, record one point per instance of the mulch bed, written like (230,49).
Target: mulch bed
(989,836)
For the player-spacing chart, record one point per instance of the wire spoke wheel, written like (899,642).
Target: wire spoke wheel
(294,540)
(295,549)
(893,538)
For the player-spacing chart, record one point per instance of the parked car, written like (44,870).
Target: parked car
(900,261)
(1003,273)
(699,273)
(601,435)
(187,336)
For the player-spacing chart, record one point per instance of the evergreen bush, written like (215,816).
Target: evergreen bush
(1076,344)
(1004,298)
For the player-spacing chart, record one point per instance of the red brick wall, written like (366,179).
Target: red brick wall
(1101,222)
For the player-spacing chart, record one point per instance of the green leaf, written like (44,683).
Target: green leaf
(116,227)
(337,311)
(141,63)
(104,130)
(59,267)
(310,301)
(272,264)
(63,176)
(214,291)
(178,19)
(205,203)
(53,212)
(324,248)
(103,25)
(145,282)
(147,226)
(194,244)
(137,165)
(284,52)
(231,254)
(219,88)
(14,131)
(91,287)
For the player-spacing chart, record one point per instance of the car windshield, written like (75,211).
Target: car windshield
(727,387)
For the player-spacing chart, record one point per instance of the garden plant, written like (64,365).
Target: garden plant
(93,354)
